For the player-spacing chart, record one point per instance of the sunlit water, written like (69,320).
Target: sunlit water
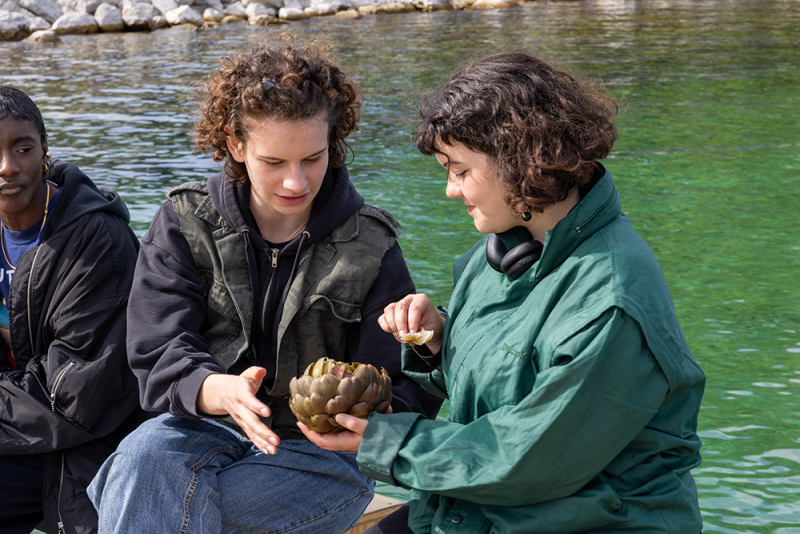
(708,165)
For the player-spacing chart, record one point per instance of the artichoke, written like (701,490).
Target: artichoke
(329,387)
(417,338)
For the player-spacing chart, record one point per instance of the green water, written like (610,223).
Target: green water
(707,164)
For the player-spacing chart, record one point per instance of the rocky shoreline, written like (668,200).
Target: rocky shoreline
(45,20)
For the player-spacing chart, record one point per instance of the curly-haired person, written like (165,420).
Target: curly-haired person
(242,282)
(573,394)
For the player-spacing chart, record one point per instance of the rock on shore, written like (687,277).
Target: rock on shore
(44,20)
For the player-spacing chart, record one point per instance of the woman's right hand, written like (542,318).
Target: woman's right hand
(235,395)
(412,313)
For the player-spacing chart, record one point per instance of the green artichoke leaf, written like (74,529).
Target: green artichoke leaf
(382,407)
(372,394)
(361,409)
(352,387)
(367,373)
(297,406)
(314,403)
(338,404)
(325,385)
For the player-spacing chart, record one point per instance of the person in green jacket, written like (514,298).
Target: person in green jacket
(573,393)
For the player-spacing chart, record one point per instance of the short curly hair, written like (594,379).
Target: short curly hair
(279,81)
(543,127)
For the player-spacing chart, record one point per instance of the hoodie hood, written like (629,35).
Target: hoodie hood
(79,196)
(335,202)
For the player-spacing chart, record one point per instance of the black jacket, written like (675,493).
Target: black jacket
(72,394)
(165,340)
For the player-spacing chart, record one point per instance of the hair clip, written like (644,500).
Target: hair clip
(267,84)
(306,73)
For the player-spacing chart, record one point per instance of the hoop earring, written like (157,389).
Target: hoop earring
(526,216)
(45,168)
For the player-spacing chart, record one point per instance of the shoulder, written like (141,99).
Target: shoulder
(188,187)
(191,192)
(374,215)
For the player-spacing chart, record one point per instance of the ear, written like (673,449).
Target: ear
(45,153)
(235,147)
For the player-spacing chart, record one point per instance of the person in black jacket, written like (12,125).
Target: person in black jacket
(242,282)
(67,395)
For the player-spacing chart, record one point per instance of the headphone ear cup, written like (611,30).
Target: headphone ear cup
(495,251)
(520,258)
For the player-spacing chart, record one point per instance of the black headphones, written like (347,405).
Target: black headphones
(512,262)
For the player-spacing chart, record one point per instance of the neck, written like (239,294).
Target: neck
(543,222)
(281,228)
(34,211)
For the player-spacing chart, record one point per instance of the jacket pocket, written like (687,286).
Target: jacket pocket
(57,382)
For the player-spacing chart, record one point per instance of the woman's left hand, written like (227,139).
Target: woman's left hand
(346,440)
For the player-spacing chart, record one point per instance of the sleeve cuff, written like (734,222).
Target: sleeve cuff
(184,401)
(383,439)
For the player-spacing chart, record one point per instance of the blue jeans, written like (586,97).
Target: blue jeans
(175,475)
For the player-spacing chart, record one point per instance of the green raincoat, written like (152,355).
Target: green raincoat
(573,394)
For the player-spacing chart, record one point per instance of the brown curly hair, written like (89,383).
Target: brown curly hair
(543,128)
(279,81)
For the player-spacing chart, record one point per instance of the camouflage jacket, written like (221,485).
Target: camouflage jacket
(333,277)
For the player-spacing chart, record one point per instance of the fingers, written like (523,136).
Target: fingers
(254,375)
(261,436)
(405,315)
(352,423)
(341,441)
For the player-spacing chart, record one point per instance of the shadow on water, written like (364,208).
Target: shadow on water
(707,164)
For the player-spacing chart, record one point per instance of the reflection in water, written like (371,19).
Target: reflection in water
(707,164)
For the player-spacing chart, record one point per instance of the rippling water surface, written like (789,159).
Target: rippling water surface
(708,166)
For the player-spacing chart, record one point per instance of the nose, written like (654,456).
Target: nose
(8,164)
(453,189)
(295,179)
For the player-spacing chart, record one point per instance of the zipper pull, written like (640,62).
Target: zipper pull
(275,252)
(61,528)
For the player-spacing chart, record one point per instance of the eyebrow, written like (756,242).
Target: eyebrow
(311,156)
(449,161)
(23,138)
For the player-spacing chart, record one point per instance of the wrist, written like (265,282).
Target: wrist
(209,397)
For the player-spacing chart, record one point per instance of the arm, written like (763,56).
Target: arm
(585,411)
(368,343)
(80,387)
(167,350)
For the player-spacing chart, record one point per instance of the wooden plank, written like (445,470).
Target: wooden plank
(380,507)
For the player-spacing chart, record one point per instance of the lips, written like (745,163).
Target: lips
(10,189)
(292,201)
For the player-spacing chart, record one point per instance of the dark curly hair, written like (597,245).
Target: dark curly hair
(543,128)
(275,80)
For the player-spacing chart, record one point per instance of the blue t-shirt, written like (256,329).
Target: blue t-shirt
(15,245)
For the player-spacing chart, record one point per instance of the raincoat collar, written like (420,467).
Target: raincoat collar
(599,207)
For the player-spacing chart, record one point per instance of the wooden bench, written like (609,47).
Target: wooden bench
(379,508)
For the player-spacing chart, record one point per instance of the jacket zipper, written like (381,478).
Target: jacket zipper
(275,252)
(61,529)
(30,284)
(57,383)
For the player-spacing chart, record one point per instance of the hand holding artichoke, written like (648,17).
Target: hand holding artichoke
(329,387)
